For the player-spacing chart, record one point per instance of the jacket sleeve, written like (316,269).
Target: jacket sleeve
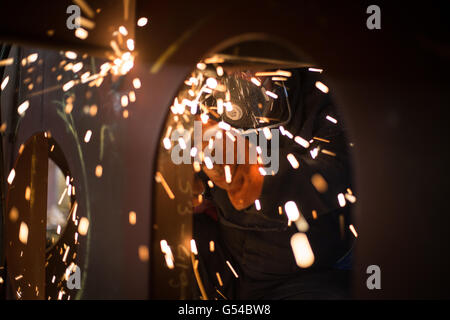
(326,159)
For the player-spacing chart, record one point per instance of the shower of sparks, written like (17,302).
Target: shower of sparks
(32,58)
(304,256)
(27,193)
(318,181)
(11,176)
(257,205)
(208,163)
(132,218)
(327,152)
(74,214)
(262,171)
(232,269)
(302,142)
(85,76)
(271,94)
(219,106)
(143,253)
(164,246)
(77,67)
(227,174)
(315,70)
(182,143)
(98,171)
(6,62)
(322,87)
(130,44)
(194,247)
(142,21)
(136,83)
(225,126)
(23,233)
(193,152)
(81,33)
(219,71)
(62,196)
(292,210)
(87,10)
(87,136)
(301,224)
(168,256)
(23,107)
(124,101)
(201,66)
(267,133)
(197,167)
(13,214)
(353,230)
(286,133)
(83,226)
(341,199)
(167,143)
(71,55)
(4,83)
(331,119)
(169,261)
(93,110)
(219,279)
(68,85)
(160,179)
(282,73)
(350,198)
(211,83)
(321,139)
(65,254)
(204,117)
(132,96)
(255,81)
(293,161)
(123,30)
(314,152)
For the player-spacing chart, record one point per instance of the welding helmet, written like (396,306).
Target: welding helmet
(250,100)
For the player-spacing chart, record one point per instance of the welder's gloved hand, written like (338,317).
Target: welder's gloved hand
(245,182)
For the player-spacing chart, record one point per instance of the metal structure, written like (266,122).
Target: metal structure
(391,83)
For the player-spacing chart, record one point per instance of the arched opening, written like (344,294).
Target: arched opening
(271,219)
(42,226)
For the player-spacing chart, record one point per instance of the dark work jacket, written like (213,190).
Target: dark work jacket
(257,243)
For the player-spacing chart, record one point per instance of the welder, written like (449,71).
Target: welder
(246,218)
